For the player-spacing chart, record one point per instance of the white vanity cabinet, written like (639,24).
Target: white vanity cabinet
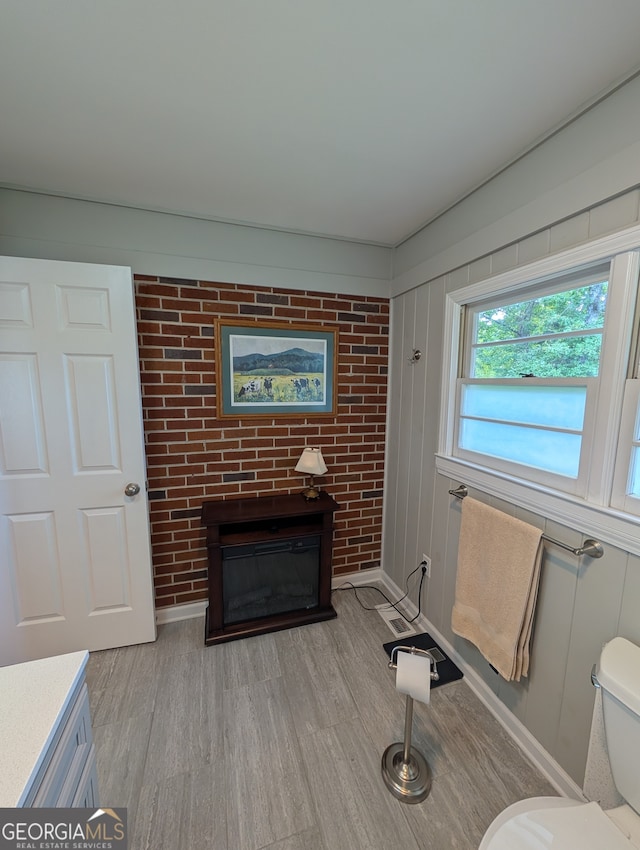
(47,756)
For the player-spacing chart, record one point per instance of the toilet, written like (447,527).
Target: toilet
(563,824)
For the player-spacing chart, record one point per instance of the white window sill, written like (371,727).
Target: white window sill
(602,523)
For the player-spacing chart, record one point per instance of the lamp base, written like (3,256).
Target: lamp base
(310,493)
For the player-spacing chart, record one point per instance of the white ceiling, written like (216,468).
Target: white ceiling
(362,119)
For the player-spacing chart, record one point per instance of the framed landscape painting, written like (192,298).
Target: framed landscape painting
(269,369)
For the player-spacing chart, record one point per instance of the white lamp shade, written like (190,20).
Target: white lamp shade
(311,462)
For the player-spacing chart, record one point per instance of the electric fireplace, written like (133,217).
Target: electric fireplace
(269,564)
(262,579)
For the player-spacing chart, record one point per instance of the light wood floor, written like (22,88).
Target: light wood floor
(275,742)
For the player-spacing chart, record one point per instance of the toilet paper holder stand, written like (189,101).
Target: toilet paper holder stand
(405,770)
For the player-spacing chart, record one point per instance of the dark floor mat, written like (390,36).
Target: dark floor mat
(446,668)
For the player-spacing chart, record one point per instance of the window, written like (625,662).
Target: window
(530,376)
(540,402)
(626,488)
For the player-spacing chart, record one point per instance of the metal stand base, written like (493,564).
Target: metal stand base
(409,781)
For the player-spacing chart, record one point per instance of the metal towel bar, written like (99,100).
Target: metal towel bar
(592,548)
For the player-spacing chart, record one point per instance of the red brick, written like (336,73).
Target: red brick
(189,447)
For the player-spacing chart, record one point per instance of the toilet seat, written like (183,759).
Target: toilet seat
(542,823)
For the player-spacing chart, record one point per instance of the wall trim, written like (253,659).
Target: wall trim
(359,578)
(54,227)
(186,611)
(190,610)
(529,745)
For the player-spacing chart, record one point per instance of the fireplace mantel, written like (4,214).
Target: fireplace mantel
(238,525)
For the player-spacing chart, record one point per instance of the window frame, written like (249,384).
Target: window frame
(620,498)
(591,511)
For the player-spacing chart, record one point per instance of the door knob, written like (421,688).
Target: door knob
(132,489)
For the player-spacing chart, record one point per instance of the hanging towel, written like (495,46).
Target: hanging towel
(497,581)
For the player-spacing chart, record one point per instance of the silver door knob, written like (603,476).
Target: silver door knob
(132,489)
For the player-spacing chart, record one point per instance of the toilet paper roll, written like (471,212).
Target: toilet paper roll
(413,675)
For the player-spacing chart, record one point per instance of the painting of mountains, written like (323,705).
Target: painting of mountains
(290,362)
(269,369)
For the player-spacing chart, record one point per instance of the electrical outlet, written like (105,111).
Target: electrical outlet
(426,561)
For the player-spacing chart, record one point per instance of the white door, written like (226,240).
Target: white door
(75,563)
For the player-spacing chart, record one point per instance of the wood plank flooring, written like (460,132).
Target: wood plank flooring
(274,743)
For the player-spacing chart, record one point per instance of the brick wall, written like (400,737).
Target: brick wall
(193,456)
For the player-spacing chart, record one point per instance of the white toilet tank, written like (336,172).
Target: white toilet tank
(618,674)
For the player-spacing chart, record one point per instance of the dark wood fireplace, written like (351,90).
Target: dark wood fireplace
(269,564)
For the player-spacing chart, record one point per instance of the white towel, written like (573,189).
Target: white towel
(497,582)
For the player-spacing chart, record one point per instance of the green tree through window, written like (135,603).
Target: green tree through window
(555,335)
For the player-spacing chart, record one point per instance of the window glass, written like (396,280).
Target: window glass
(634,483)
(551,451)
(634,474)
(557,335)
(558,406)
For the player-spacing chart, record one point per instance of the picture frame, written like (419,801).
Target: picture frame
(275,369)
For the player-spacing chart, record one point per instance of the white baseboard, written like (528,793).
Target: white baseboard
(529,745)
(187,611)
(358,579)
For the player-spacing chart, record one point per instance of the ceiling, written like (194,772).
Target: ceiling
(362,119)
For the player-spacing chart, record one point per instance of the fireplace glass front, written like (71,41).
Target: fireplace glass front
(262,579)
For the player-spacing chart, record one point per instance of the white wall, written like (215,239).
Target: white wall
(536,208)
(594,158)
(51,227)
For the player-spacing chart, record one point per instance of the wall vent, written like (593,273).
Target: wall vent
(397,624)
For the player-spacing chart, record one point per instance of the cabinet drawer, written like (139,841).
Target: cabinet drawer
(59,782)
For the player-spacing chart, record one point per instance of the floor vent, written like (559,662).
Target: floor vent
(397,624)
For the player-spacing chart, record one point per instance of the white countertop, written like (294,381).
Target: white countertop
(33,698)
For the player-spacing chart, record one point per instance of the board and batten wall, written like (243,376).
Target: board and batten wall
(582,602)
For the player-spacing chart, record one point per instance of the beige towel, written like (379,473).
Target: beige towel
(496,586)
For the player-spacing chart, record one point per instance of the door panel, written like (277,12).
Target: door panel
(105,536)
(15,305)
(75,565)
(91,395)
(23,444)
(34,568)
(83,309)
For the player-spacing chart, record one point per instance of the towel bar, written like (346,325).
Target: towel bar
(592,548)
